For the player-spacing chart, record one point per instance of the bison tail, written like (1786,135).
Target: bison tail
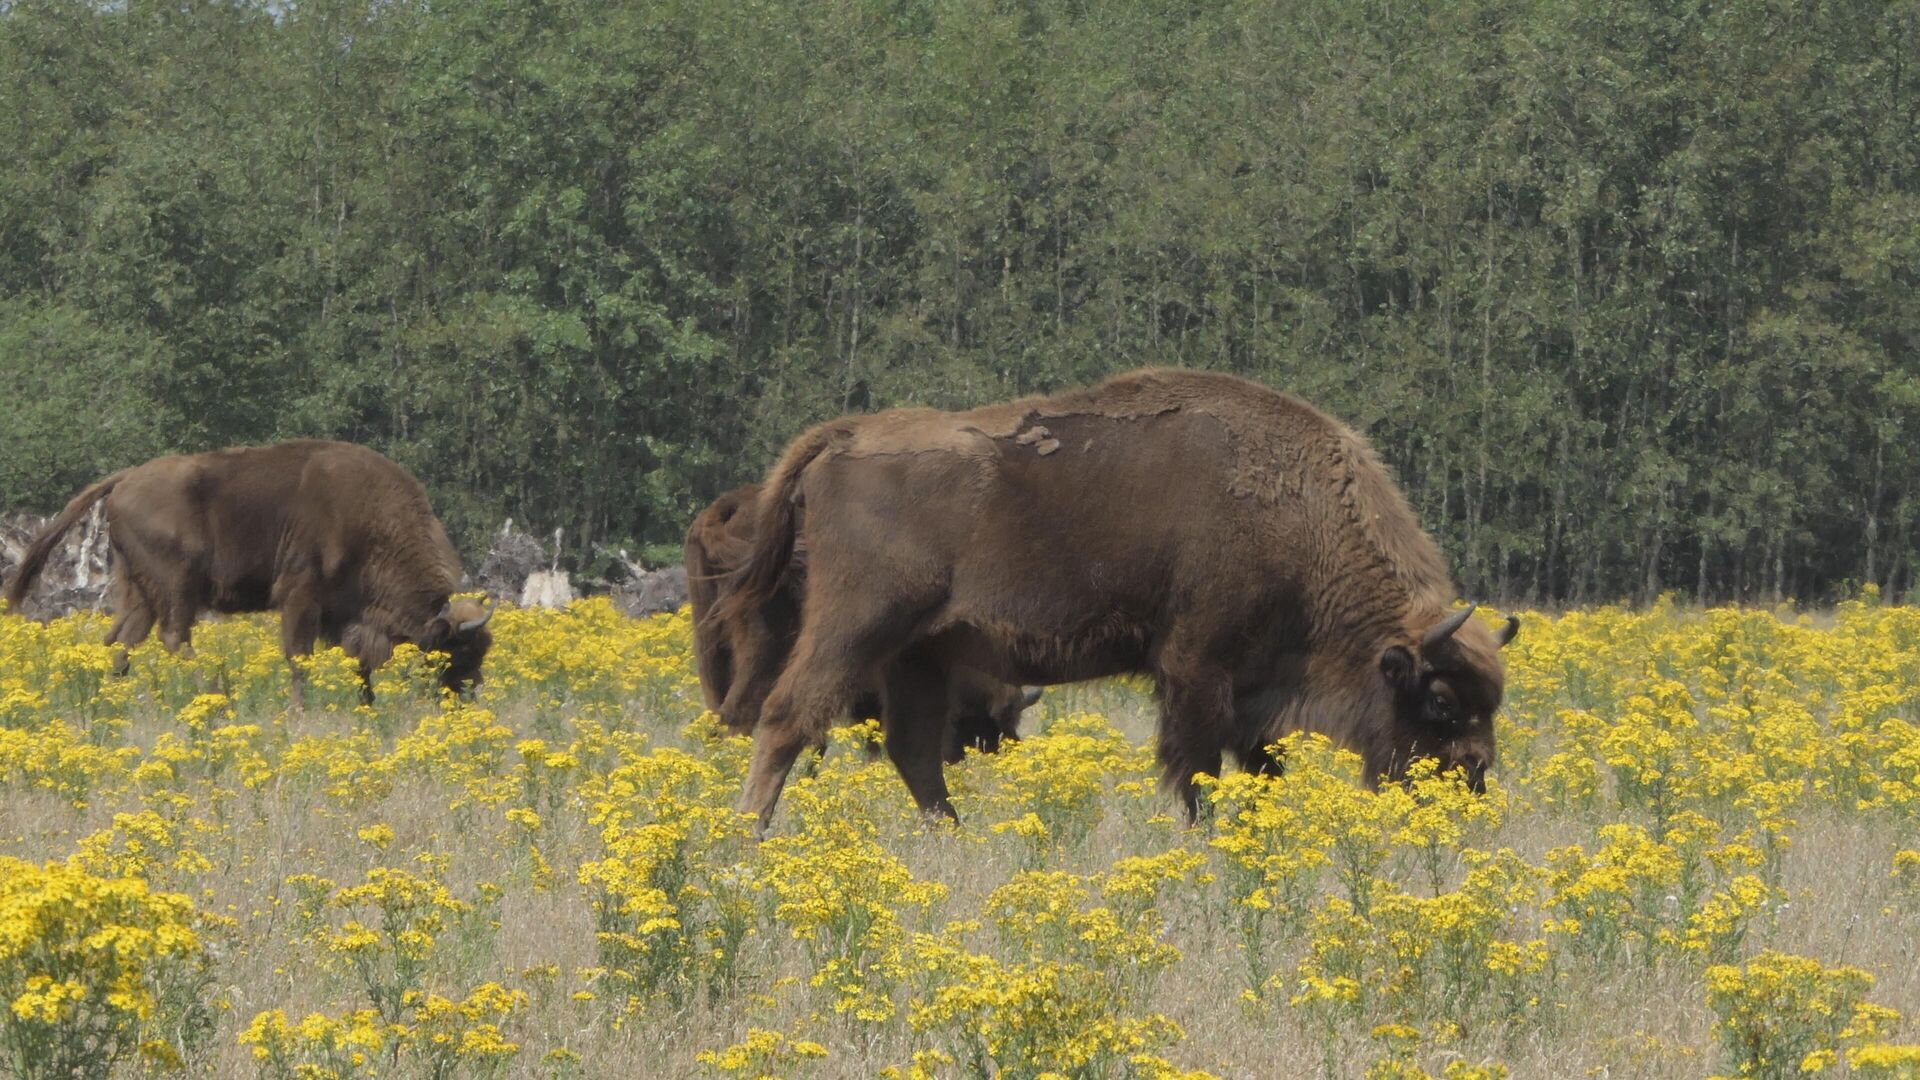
(43,545)
(758,578)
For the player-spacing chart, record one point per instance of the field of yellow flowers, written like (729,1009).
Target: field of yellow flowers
(1699,854)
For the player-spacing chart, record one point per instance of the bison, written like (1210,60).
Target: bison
(982,711)
(1244,548)
(336,537)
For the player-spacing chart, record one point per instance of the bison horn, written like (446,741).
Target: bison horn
(1507,633)
(471,625)
(1031,698)
(1445,628)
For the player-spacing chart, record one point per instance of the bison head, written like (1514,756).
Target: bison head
(1007,707)
(460,631)
(1445,693)
(999,721)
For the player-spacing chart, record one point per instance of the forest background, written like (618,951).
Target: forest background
(1623,290)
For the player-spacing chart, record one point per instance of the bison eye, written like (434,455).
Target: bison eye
(1441,706)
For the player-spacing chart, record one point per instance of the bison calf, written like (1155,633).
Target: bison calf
(1241,546)
(340,540)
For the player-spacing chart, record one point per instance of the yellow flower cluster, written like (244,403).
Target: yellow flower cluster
(89,966)
(1066,1001)
(1782,1015)
(382,932)
(760,1053)
(543,877)
(671,907)
(441,1038)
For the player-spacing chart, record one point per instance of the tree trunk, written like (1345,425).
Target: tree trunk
(1706,545)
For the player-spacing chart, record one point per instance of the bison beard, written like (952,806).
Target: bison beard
(982,712)
(1244,548)
(336,537)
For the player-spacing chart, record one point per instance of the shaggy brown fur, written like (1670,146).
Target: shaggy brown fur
(1246,549)
(982,711)
(336,537)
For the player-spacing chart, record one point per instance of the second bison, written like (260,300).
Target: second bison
(340,540)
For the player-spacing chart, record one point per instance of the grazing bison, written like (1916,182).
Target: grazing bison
(1247,550)
(339,539)
(981,711)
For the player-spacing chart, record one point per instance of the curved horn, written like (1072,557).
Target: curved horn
(1444,629)
(1507,633)
(446,611)
(471,625)
(1030,698)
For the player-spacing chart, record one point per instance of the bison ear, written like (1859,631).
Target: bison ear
(1507,633)
(1030,698)
(438,631)
(1397,665)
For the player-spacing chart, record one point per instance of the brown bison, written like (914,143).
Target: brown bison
(1247,550)
(982,711)
(336,537)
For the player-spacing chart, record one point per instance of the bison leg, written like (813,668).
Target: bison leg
(1260,760)
(915,722)
(161,579)
(371,649)
(753,668)
(714,663)
(367,668)
(176,628)
(299,629)
(774,752)
(826,670)
(746,700)
(132,622)
(1196,722)
(867,706)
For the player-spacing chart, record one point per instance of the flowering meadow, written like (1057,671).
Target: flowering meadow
(1699,854)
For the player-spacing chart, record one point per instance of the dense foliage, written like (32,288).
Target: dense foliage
(1622,290)
(1704,829)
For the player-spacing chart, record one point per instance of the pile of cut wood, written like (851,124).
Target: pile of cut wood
(76,575)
